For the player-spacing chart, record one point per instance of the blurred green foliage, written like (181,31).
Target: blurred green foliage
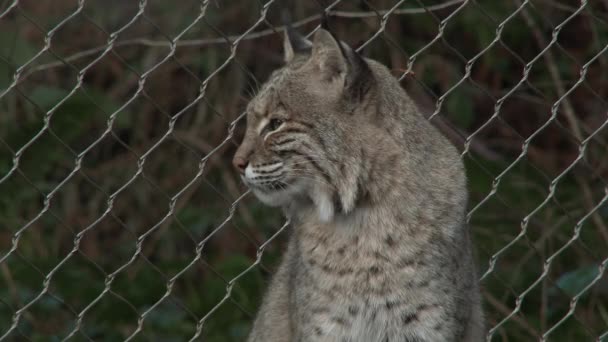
(116,282)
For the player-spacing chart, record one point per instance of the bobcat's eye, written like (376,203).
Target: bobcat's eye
(274,124)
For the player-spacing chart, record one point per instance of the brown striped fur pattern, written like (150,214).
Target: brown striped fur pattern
(379,250)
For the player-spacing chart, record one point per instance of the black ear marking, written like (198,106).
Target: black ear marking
(359,77)
(325,22)
(294,43)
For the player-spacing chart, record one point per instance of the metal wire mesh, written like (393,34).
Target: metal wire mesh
(120,218)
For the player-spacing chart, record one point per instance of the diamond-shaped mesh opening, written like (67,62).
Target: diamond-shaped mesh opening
(167,318)
(107,166)
(22,279)
(121,217)
(143,271)
(169,260)
(111,310)
(171,22)
(16,52)
(106,18)
(6,310)
(48,316)
(108,242)
(26,201)
(78,282)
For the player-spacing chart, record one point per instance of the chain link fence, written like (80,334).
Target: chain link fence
(121,219)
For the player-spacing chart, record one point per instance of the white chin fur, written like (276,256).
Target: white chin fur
(321,199)
(278,198)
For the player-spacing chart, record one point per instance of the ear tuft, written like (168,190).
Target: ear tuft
(360,77)
(293,42)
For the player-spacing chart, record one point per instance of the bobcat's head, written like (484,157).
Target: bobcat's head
(305,127)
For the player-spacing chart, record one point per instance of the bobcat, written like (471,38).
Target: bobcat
(378,247)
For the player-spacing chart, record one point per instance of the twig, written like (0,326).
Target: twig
(554,72)
(10,283)
(230,39)
(506,311)
(567,8)
(345,14)
(568,111)
(597,219)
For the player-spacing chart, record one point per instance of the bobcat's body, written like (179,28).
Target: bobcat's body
(379,250)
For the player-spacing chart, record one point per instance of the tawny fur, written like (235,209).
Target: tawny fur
(379,249)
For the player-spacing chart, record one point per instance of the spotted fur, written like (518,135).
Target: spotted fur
(379,250)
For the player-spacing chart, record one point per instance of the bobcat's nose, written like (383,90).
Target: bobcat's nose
(240,163)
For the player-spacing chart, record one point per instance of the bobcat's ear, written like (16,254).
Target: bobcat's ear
(327,55)
(293,42)
(336,59)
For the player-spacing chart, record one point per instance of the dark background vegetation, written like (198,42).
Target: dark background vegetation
(117,199)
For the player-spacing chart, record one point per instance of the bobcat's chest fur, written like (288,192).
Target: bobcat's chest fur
(338,258)
(355,285)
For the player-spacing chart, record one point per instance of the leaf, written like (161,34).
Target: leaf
(574,282)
